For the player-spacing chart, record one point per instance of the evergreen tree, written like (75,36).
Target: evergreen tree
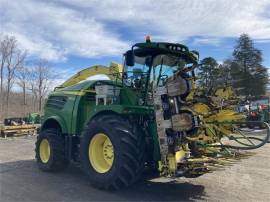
(208,72)
(247,68)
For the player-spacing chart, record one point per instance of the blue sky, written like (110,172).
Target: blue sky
(73,34)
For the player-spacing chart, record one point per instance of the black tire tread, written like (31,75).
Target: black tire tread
(132,143)
(58,161)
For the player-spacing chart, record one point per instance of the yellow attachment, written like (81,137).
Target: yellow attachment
(179,155)
(44,151)
(201,108)
(208,135)
(225,93)
(168,165)
(226,115)
(101,153)
(172,162)
(160,166)
(113,72)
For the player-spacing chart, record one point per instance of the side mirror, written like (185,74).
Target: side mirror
(129,58)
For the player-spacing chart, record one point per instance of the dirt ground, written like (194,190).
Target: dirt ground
(21,180)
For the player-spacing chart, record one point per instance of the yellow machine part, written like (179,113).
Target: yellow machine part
(172,162)
(179,155)
(210,131)
(201,108)
(44,151)
(182,153)
(225,93)
(168,166)
(225,115)
(113,72)
(101,153)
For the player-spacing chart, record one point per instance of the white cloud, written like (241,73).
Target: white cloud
(85,28)
(53,32)
(207,40)
(181,18)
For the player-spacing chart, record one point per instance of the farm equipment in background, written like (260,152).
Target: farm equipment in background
(33,118)
(149,113)
(257,111)
(17,126)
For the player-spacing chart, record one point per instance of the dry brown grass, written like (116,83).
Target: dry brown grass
(16,107)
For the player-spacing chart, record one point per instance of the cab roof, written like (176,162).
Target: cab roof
(162,48)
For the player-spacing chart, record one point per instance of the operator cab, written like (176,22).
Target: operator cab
(152,63)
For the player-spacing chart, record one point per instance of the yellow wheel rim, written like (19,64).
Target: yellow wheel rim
(101,153)
(44,151)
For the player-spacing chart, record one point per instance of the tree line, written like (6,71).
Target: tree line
(244,70)
(24,82)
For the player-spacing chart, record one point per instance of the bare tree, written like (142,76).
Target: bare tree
(34,80)
(32,85)
(44,81)
(40,81)
(11,59)
(4,44)
(23,76)
(15,59)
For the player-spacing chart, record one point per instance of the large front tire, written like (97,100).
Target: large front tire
(112,152)
(50,151)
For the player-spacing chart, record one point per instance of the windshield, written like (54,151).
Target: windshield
(162,66)
(151,71)
(136,75)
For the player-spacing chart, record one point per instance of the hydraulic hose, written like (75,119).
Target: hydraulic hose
(250,147)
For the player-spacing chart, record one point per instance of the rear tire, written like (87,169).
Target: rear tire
(128,152)
(50,151)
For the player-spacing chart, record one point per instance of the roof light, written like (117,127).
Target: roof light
(148,39)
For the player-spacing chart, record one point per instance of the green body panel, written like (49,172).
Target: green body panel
(80,106)
(92,111)
(128,97)
(50,116)
(153,131)
(63,116)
